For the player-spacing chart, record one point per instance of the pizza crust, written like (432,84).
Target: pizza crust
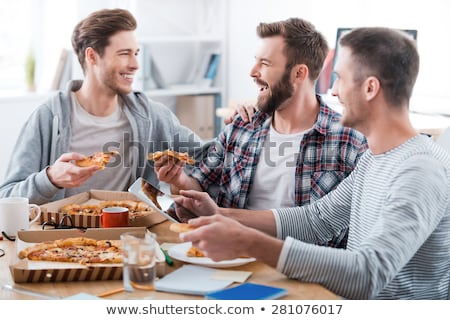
(181,227)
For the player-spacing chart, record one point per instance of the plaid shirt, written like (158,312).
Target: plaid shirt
(328,153)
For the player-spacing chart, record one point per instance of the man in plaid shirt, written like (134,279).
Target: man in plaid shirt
(294,150)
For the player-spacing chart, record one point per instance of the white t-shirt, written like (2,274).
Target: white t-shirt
(274,181)
(91,134)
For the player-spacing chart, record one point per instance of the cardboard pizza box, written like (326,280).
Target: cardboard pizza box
(50,211)
(24,271)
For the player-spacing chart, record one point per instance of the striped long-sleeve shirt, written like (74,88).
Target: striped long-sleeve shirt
(396,206)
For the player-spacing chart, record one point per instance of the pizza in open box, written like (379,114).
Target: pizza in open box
(135,208)
(80,250)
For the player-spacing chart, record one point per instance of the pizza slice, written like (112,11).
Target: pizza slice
(193,251)
(100,159)
(182,156)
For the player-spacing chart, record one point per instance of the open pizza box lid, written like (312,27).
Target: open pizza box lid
(50,211)
(41,271)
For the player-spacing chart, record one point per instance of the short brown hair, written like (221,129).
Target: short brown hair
(303,43)
(389,55)
(95,30)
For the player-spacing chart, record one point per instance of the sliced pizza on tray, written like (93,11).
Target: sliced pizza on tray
(79,250)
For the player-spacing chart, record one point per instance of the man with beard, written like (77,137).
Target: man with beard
(294,151)
(101,113)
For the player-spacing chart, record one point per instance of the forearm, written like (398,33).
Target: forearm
(263,247)
(262,220)
(36,187)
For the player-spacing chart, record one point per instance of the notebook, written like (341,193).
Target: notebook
(191,279)
(248,291)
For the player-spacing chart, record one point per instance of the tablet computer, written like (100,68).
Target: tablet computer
(159,200)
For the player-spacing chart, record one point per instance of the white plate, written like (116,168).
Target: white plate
(179,252)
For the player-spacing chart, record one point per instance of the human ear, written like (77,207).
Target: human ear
(91,55)
(300,71)
(371,87)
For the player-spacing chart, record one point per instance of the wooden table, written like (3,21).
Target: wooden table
(261,273)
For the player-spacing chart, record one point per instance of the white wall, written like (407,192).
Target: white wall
(327,16)
(14,111)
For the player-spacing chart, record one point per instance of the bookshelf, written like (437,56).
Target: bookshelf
(186,44)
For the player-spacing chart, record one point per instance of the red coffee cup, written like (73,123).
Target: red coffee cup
(114,217)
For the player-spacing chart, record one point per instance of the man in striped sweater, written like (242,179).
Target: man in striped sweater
(395,203)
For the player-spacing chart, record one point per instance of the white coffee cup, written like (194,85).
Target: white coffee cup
(15,215)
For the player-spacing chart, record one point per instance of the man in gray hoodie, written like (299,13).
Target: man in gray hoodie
(100,113)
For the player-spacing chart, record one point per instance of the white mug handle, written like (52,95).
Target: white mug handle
(38,209)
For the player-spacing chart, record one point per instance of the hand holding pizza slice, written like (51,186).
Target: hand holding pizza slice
(193,251)
(99,159)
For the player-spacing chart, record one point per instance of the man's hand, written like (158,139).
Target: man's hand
(246,110)
(219,237)
(194,202)
(169,170)
(64,174)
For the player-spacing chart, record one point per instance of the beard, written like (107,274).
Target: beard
(279,93)
(110,80)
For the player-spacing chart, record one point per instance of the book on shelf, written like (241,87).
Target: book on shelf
(205,70)
(213,66)
(248,291)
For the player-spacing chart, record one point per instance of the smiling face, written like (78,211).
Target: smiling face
(115,70)
(270,75)
(350,92)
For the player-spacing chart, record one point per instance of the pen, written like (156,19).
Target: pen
(110,292)
(168,259)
